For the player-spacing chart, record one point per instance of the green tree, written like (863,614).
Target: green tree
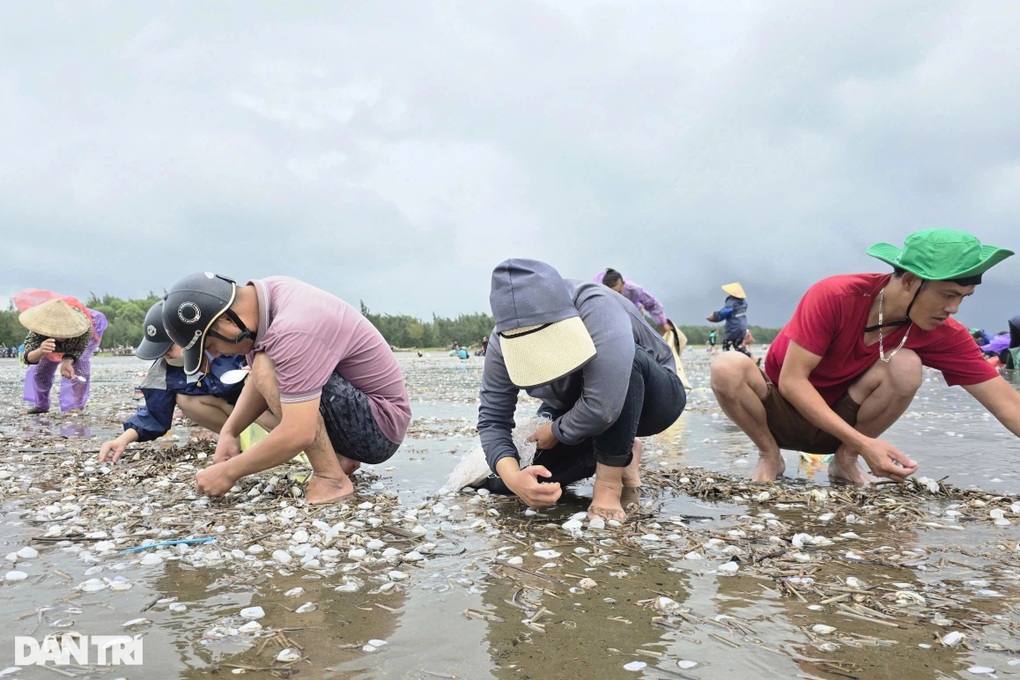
(125,319)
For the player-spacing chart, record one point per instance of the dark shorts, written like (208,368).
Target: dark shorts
(793,431)
(232,396)
(351,425)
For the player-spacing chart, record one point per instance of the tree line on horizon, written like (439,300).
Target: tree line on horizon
(125,318)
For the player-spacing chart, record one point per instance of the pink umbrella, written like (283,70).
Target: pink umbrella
(30,297)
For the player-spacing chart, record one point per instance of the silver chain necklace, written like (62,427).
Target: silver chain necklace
(881,337)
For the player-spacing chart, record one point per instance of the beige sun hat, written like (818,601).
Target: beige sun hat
(55,319)
(541,334)
(734,289)
(535,355)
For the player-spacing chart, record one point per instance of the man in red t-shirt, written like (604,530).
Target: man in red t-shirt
(848,363)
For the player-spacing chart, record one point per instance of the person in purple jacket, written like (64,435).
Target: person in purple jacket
(642,299)
(316,363)
(62,337)
(602,373)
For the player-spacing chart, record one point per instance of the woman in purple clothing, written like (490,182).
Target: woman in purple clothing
(641,298)
(62,336)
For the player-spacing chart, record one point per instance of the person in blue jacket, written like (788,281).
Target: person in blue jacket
(207,401)
(734,313)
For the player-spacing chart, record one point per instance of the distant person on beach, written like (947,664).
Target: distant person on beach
(848,363)
(1011,355)
(205,400)
(994,347)
(602,373)
(734,314)
(317,364)
(63,334)
(642,299)
(711,341)
(980,337)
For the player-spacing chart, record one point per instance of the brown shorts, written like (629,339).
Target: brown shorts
(793,431)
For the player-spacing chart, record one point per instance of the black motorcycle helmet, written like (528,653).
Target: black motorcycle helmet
(155,341)
(190,309)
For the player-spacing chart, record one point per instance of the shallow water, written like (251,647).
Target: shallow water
(594,633)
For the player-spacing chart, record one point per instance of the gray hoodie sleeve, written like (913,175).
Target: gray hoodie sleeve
(498,399)
(606,377)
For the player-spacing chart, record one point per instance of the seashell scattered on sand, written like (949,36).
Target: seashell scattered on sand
(952,639)
(547,554)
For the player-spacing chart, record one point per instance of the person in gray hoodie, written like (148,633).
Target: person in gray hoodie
(603,374)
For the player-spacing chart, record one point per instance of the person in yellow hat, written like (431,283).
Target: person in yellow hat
(848,363)
(62,335)
(734,313)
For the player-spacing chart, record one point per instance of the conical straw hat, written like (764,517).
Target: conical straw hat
(734,289)
(55,319)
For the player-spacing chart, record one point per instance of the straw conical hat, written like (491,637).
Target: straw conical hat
(55,319)
(734,289)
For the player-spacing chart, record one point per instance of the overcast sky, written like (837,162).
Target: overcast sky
(395,152)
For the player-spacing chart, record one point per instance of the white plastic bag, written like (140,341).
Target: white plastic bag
(472,469)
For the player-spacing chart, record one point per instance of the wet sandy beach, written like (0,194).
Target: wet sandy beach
(711,577)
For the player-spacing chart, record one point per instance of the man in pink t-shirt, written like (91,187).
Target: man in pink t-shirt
(847,365)
(316,363)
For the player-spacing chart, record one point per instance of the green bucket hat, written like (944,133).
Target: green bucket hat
(941,255)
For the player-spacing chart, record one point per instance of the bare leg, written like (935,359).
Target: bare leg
(606,493)
(329,481)
(206,410)
(267,420)
(884,393)
(349,465)
(632,473)
(739,388)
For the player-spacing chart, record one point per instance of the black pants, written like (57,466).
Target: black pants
(737,345)
(655,399)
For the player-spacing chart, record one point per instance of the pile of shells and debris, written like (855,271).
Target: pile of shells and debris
(843,553)
(838,554)
(262,523)
(144,512)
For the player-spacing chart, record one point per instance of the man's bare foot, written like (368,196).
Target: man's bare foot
(631,495)
(349,465)
(605,501)
(328,489)
(768,469)
(844,470)
(632,473)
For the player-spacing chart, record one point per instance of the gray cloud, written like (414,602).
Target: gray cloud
(395,152)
